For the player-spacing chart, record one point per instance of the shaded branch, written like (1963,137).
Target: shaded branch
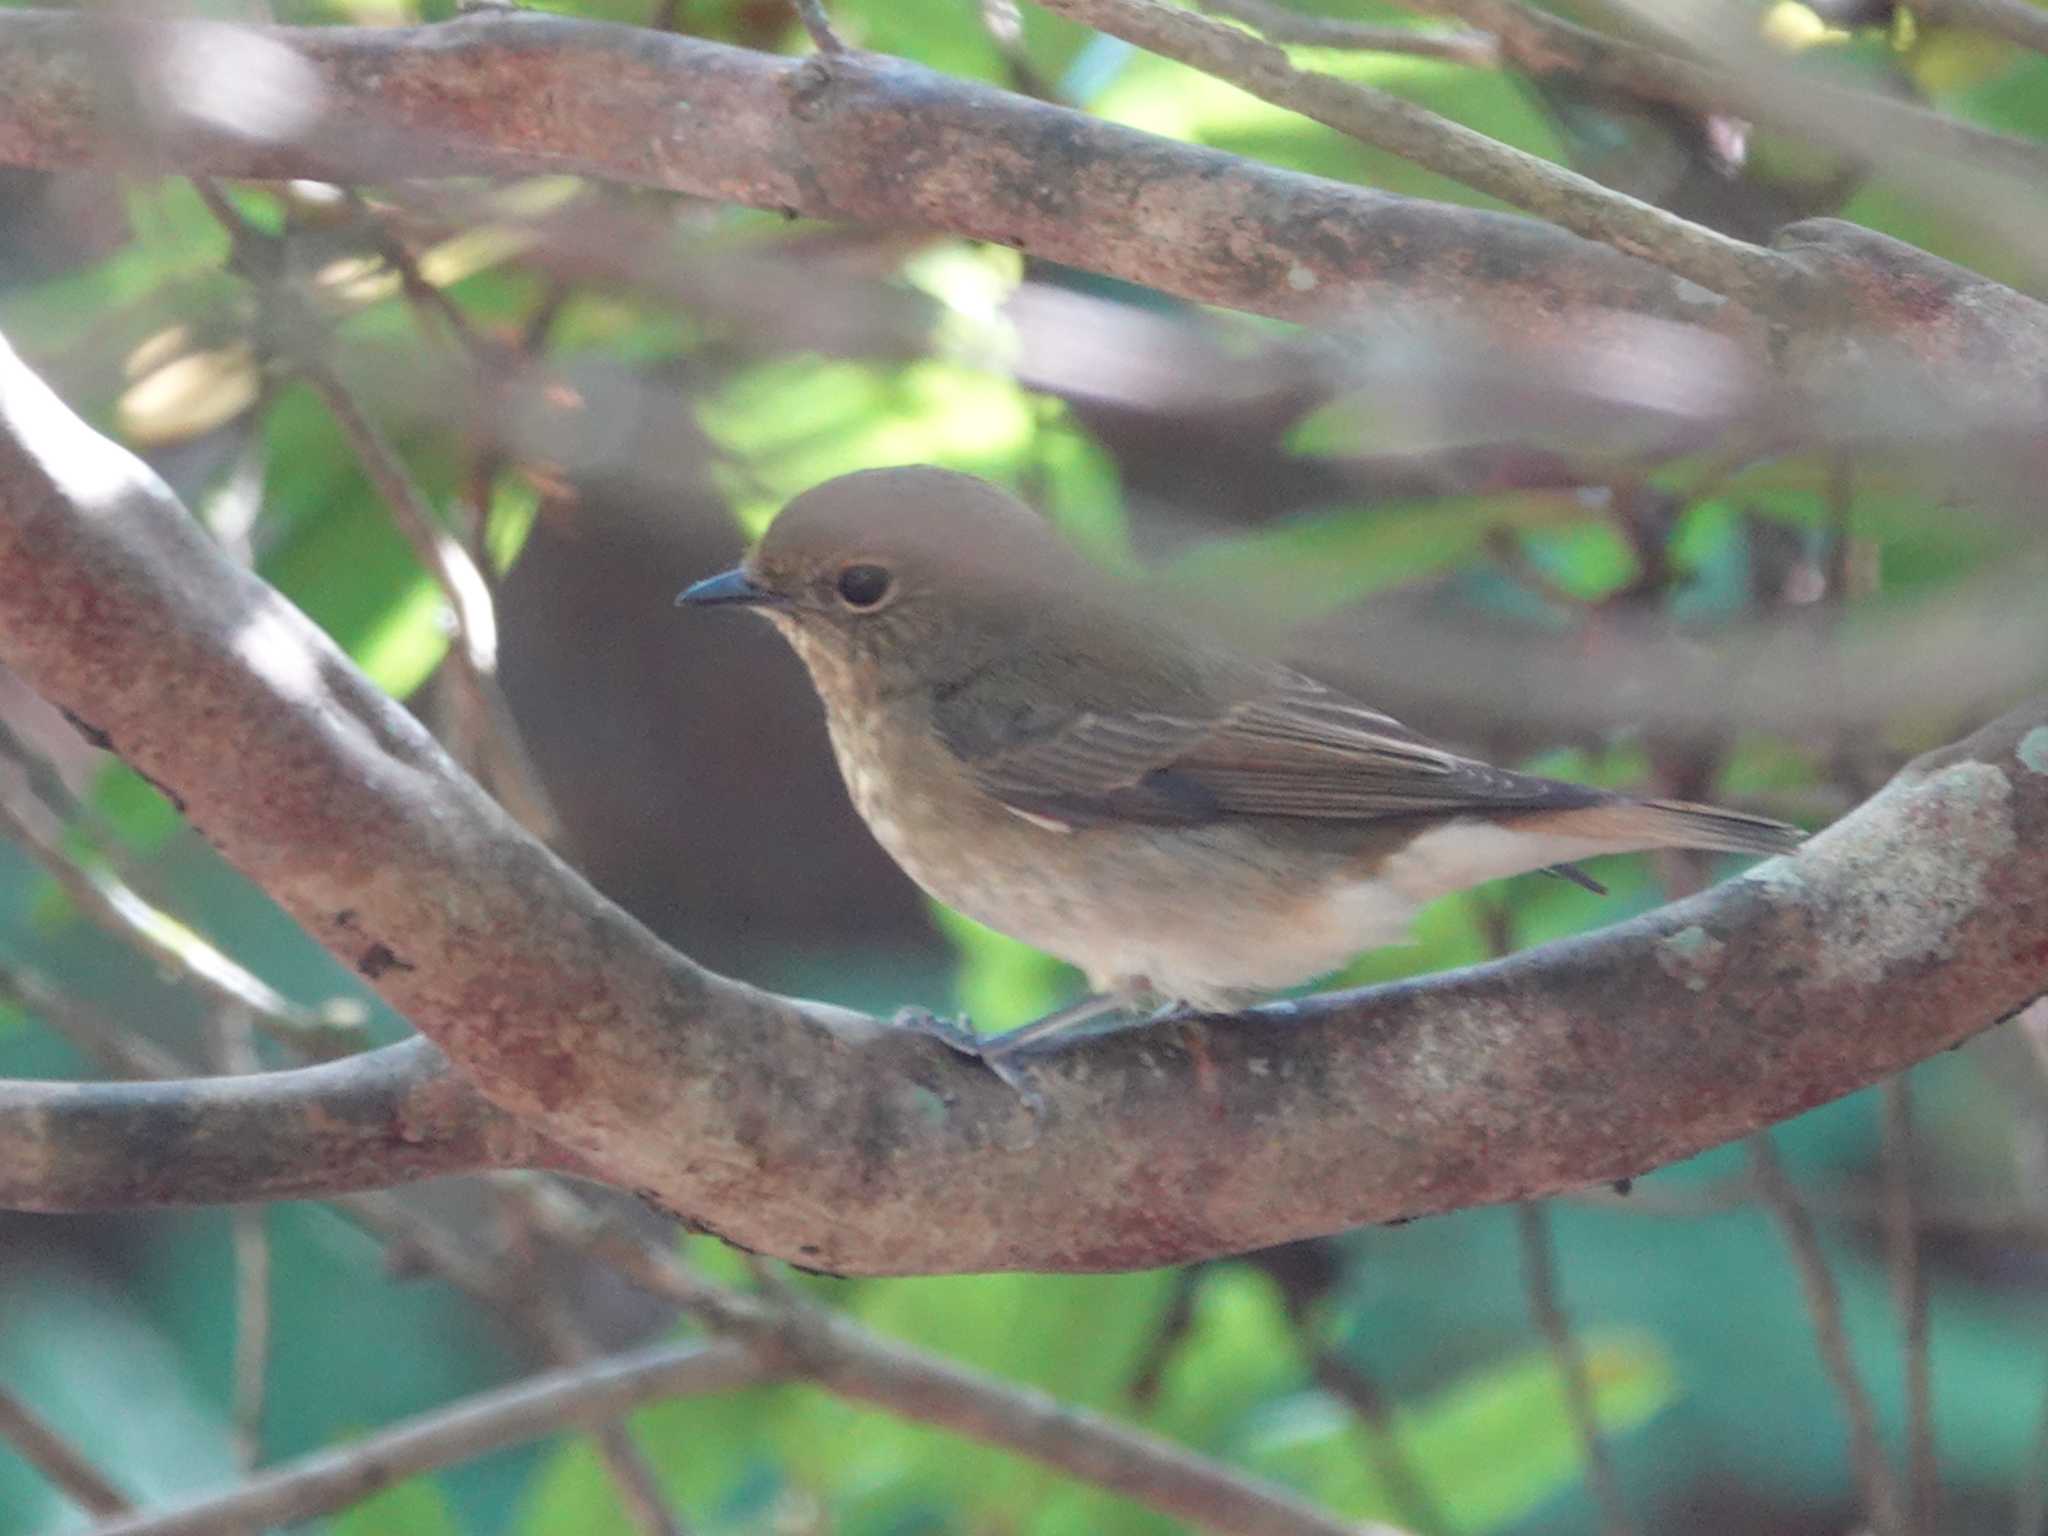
(1875,1478)
(381,1118)
(840,1355)
(22,1428)
(586,1395)
(1539,1281)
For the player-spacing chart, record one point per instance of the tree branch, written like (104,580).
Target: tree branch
(853,136)
(588,1395)
(380,1118)
(863,137)
(833,1140)
(1748,273)
(22,1428)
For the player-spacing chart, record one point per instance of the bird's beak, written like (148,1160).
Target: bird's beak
(733,586)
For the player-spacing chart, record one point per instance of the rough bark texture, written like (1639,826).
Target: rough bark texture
(861,137)
(381,1118)
(875,139)
(840,1143)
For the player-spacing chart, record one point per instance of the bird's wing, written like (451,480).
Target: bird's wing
(1289,747)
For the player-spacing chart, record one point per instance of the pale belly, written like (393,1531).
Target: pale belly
(1211,916)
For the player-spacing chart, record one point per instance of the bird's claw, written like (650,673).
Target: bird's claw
(956,1034)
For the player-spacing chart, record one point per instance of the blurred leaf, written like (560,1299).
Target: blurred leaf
(1313,565)
(140,814)
(793,423)
(1001,983)
(1491,1448)
(340,557)
(417,1507)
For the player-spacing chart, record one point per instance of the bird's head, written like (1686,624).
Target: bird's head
(912,568)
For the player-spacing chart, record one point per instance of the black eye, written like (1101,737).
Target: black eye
(863,586)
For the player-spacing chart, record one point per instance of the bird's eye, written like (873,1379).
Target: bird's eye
(863,586)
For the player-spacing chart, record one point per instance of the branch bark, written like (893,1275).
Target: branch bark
(869,138)
(591,1395)
(366,1122)
(833,1140)
(854,136)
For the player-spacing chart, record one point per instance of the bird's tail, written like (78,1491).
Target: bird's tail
(1677,824)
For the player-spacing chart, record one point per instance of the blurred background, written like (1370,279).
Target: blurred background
(561,401)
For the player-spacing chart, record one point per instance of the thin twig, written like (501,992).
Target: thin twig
(632,1474)
(475,651)
(1747,273)
(1539,1279)
(234,1051)
(57,1459)
(105,899)
(1874,1474)
(843,1357)
(1413,1504)
(426,297)
(118,1051)
(489,721)
(1909,1295)
(543,1405)
(1858,123)
(566,1343)
(819,25)
(2030,1504)
(2014,20)
(1478,50)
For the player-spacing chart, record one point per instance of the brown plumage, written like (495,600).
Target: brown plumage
(1043,749)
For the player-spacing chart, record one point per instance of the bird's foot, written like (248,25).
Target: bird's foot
(958,1035)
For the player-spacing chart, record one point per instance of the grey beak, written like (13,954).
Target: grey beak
(731,586)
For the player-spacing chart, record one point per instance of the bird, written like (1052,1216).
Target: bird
(1043,748)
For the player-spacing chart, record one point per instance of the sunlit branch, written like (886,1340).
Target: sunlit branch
(1747,273)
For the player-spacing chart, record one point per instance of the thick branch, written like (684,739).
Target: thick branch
(856,136)
(368,1121)
(824,1137)
(868,138)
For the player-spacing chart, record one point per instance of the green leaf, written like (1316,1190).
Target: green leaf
(1314,564)
(416,1507)
(341,558)
(140,814)
(1001,983)
(792,423)
(1491,1448)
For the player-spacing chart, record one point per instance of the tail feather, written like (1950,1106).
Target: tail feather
(1677,824)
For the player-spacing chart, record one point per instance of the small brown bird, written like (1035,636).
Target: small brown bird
(1053,756)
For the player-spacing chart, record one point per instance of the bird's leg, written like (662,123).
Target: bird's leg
(1053,1023)
(994,1051)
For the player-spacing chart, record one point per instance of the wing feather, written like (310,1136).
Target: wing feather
(1291,748)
